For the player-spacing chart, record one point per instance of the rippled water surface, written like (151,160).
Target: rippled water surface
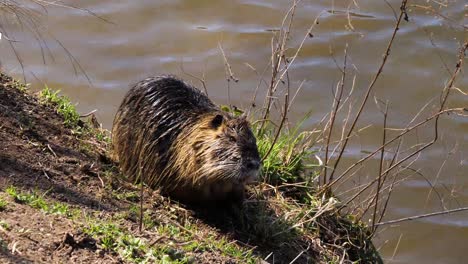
(144,38)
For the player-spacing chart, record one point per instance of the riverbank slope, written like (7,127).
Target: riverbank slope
(62,200)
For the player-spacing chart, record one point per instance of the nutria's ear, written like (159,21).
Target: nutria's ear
(217,121)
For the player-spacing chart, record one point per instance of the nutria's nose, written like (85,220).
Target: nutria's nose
(253,164)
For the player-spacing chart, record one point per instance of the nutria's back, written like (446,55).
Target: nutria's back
(170,134)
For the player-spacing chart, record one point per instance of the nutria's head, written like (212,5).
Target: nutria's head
(225,148)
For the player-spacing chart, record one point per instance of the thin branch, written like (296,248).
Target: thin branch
(201,80)
(140,226)
(336,104)
(422,216)
(277,62)
(261,79)
(229,74)
(278,132)
(379,182)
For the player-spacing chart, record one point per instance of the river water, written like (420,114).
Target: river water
(131,40)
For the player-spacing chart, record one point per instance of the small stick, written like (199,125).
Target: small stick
(336,104)
(422,216)
(140,227)
(382,153)
(201,80)
(88,114)
(299,255)
(396,247)
(100,179)
(51,150)
(229,75)
(285,113)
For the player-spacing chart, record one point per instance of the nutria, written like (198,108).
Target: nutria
(171,135)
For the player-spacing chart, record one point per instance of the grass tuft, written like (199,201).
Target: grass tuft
(29,198)
(37,201)
(112,237)
(62,106)
(103,135)
(3,204)
(4,225)
(290,157)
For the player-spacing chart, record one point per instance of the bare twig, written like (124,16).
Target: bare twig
(261,79)
(89,113)
(278,54)
(435,12)
(201,80)
(422,216)
(336,106)
(385,206)
(52,151)
(396,246)
(299,255)
(278,132)
(379,181)
(140,226)
(227,65)
(229,74)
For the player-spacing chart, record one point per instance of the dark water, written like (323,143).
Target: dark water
(152,37)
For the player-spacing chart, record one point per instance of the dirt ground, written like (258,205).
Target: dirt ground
(38,153)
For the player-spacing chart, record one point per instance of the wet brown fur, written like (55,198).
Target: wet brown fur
(172,136)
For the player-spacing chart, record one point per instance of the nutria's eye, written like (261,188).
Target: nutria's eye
(217,121)
(232,139)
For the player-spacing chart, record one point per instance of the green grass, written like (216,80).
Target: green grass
(103,135)
(285,162)
(20,86)
(88,131)
(229,248)
(130,196)
(3,245)
(63,209)
(111,237)
(4,225)
(29,198)
(290,159)
(14,83)
(33,199)
(3,204)
(62,106)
